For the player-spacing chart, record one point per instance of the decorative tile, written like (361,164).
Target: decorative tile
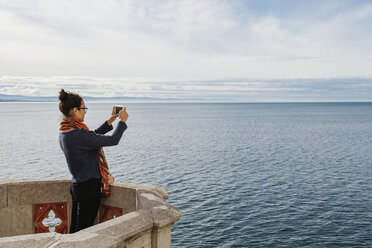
(109,213)
(50,217)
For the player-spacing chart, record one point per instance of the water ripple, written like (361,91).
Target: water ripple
(242,175)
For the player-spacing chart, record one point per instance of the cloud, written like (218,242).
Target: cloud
(243,89)
(184,40)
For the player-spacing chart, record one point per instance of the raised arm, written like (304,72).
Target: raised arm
(107,126)
(104,128)
(93,140)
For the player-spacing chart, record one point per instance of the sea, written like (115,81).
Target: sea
(241,174)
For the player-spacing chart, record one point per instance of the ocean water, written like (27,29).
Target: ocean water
(242,175)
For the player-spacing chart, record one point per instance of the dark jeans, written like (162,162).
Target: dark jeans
(86,197)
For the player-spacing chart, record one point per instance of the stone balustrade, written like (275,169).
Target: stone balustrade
(37,214)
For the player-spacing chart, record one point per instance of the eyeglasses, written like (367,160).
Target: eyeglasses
(85,109)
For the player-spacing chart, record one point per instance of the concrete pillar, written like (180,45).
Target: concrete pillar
(161,237)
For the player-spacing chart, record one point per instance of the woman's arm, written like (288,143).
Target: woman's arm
(106,127)
(93,140)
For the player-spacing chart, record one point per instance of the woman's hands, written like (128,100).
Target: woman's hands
(123,115)
(113,116)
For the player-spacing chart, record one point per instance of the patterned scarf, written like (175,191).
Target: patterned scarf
(68,125)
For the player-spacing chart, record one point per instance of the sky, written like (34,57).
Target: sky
(267,50)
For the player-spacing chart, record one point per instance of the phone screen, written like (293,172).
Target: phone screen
(117,109)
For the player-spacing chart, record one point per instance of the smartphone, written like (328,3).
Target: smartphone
(118,108)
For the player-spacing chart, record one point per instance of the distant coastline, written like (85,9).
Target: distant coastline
(20,98)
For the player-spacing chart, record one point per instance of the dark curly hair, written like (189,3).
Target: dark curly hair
(68,101)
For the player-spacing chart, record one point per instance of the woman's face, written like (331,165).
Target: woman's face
(79,113)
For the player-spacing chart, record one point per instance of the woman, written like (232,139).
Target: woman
(85,158)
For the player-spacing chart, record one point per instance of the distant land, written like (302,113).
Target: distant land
(20,98)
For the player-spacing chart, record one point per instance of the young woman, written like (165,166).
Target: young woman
(85,157)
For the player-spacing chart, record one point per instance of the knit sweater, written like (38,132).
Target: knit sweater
(81,149)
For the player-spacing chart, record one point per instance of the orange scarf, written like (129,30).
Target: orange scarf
(68,125)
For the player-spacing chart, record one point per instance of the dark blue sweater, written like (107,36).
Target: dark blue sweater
(81,148)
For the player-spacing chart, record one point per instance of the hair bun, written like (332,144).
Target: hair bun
(63,95)
(68,101)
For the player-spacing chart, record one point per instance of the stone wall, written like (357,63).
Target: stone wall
(146,221)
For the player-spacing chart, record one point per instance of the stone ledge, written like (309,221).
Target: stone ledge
(3,196)
(122,197)
(16,220)
(164,216)
(31,240)
(143,240)
(85,239)
(161,212)
(37,194)
(147,199)
(19,192)
(125,226)
(147,225)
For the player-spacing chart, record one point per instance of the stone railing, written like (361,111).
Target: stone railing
(37,214)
